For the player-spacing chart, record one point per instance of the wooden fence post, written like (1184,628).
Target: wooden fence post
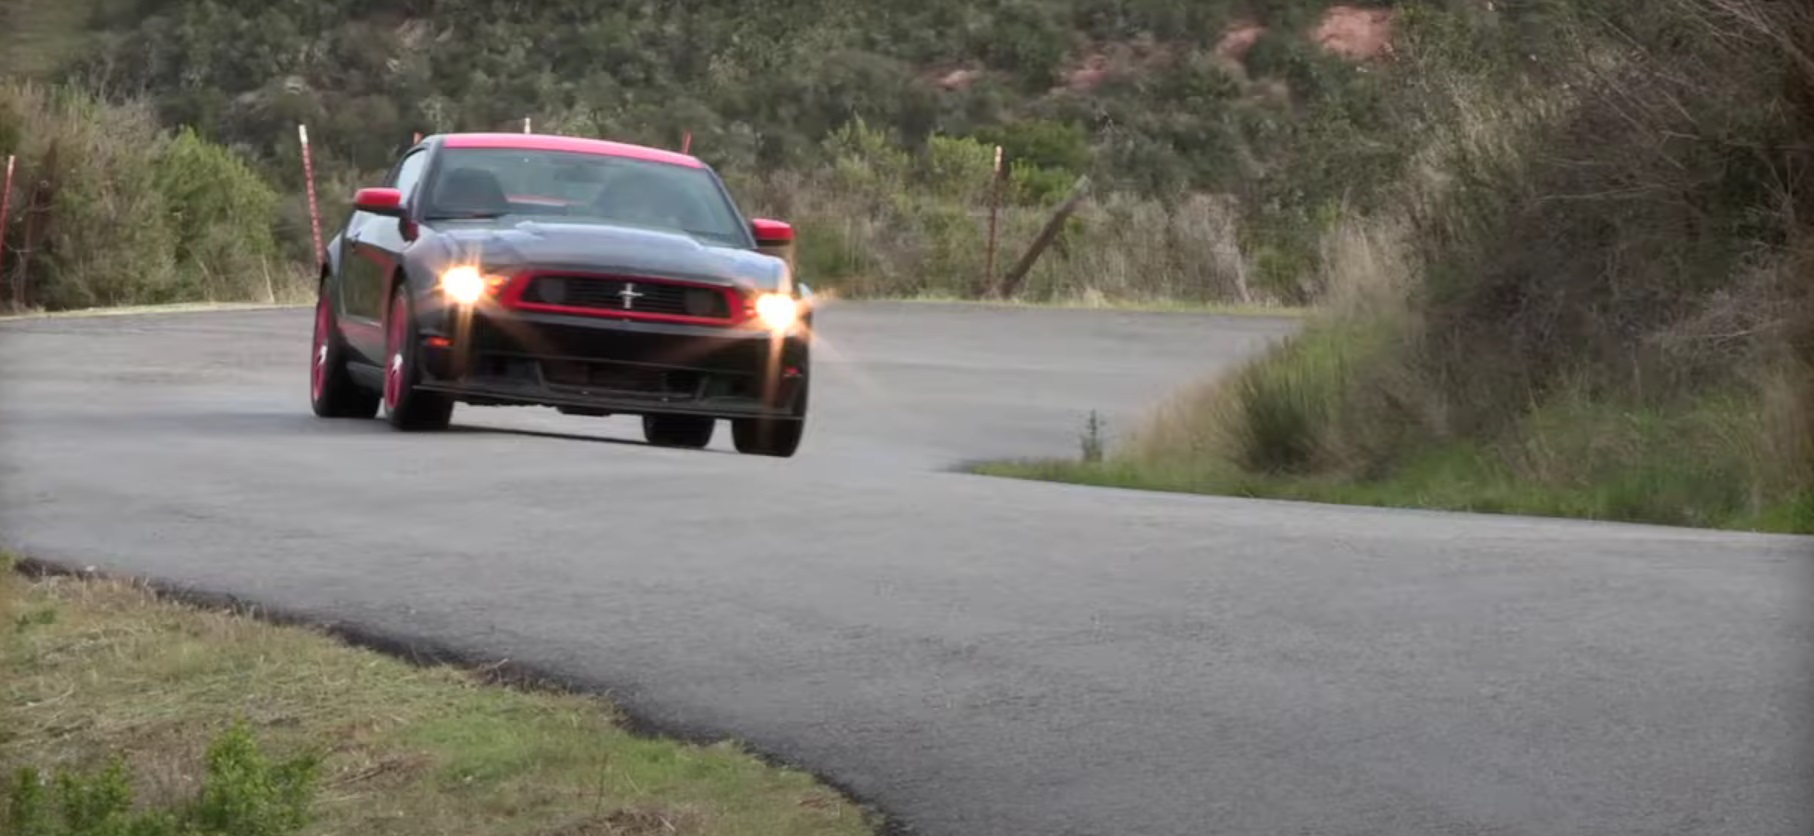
(1010,283)
(6,205)
(995,199)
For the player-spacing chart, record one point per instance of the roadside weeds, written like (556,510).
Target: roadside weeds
(93,668)
(1453,479)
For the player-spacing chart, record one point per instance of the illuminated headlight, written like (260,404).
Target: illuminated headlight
(463,284)
(777,311)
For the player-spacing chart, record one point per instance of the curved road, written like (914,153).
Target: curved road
(977,656)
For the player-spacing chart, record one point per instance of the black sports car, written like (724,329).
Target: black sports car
(595,277)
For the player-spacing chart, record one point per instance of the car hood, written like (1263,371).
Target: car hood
(604,248)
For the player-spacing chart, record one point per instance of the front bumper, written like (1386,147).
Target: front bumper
(500,357)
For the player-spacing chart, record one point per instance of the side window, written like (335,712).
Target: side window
(409,172)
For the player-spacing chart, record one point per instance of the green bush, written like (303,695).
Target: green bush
(222,213)
(243,794)
(90,226)
(1042,144)
(1295,410)
(110,209)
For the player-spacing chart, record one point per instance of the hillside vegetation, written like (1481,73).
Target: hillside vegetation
(1594,296)
(114,209)
(36,36)
(1216,145)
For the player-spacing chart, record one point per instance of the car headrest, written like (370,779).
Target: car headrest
(470,190)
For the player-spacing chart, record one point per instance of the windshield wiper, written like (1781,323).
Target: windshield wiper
(465,216)
(711,235)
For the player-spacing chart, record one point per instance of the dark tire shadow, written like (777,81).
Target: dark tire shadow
(552,435)
(303,423)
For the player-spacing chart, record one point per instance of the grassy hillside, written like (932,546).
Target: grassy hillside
(1594,298)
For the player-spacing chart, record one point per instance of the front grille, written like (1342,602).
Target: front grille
(621,378)
(628,295)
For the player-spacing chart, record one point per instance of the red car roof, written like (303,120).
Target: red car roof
(578,145)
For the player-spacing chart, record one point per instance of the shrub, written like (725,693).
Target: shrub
(243,794)
(90,226)
(111,210)
(222,213)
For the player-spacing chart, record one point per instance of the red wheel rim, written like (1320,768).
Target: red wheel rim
(393,364)
(318,354)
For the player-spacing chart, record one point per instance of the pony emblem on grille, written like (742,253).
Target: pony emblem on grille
(629,295)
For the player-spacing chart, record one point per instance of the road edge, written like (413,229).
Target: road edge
(154,310)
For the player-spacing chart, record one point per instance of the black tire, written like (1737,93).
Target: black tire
(778,437)
(691,431)
(405,406)
(332,391)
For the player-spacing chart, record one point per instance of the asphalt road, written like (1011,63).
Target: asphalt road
(978,656)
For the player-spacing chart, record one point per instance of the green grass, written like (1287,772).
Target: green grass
(1435,483)
(1454,478)
(91,669)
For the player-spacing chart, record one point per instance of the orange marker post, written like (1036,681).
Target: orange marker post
(308,177)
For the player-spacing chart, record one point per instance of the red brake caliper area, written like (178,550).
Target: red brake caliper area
(393,361)
(318,360)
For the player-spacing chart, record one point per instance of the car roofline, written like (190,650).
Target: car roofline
(572,144)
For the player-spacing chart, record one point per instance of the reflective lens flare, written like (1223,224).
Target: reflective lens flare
(463,284)
(777,311)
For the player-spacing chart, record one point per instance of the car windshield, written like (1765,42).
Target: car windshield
(582,188)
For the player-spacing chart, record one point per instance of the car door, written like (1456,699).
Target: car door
(375,245)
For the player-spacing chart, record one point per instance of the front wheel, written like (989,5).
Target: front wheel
(405,406)
(778,437)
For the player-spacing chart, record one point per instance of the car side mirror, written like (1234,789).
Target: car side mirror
(772,233)
(774,238)
(386,202)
